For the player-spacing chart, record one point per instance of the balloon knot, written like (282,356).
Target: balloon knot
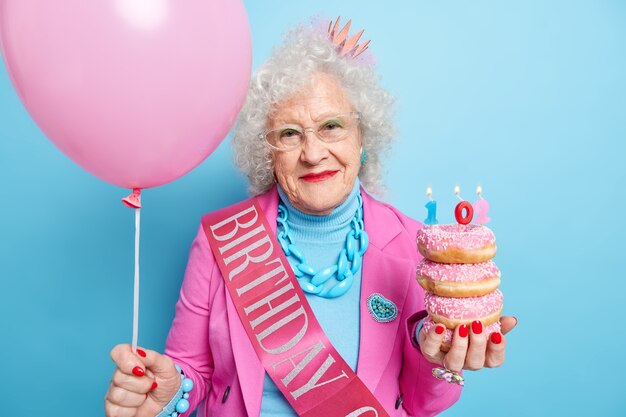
(133,200)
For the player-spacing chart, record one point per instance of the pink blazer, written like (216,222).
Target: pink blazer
(209,342)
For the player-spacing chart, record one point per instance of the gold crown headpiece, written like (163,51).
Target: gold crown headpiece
(345,46)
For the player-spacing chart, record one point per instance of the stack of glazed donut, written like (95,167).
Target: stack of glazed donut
(460,279)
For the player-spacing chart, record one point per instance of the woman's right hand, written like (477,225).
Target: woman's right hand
(142,384)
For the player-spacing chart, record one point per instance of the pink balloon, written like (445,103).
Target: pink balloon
(137,92)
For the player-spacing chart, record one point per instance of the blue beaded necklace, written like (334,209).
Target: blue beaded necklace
(350,259)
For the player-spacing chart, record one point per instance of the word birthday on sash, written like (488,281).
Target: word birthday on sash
(278,319)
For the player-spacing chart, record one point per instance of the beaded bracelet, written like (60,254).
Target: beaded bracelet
(180,402)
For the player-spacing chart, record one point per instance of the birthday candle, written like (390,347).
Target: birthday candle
(463,212)
(432,208)
(481,206)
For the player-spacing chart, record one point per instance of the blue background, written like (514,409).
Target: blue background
(526,97)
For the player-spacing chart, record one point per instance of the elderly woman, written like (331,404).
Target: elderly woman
(309,139)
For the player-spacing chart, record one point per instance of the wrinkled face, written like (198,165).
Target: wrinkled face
(317,176)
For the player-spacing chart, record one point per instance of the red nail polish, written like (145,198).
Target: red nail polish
(154,386)
(138,371)
(477,327)
(439,329)
(496,338)
(463,330)
(141,353)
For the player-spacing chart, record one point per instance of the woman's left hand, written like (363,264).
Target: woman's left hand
(469,350)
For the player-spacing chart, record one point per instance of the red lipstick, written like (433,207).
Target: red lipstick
(318,176)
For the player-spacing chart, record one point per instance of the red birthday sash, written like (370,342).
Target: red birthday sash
(283,330)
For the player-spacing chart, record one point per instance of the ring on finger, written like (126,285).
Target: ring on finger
(447,375)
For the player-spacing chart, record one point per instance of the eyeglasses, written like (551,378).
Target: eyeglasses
(332,129)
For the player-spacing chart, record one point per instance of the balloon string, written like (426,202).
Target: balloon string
(136,290)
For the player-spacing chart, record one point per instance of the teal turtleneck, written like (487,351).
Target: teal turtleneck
(321,239)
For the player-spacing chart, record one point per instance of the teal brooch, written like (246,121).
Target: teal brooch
(381,309)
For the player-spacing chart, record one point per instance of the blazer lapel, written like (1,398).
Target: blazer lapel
(383,274)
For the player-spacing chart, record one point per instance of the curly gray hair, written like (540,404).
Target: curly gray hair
(304,52)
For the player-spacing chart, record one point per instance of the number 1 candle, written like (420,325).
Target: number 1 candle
(432,208)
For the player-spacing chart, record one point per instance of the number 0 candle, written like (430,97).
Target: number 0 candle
(463,212)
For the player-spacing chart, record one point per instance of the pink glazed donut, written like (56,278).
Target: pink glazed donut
(451,311)
(458,280)
(456,243)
